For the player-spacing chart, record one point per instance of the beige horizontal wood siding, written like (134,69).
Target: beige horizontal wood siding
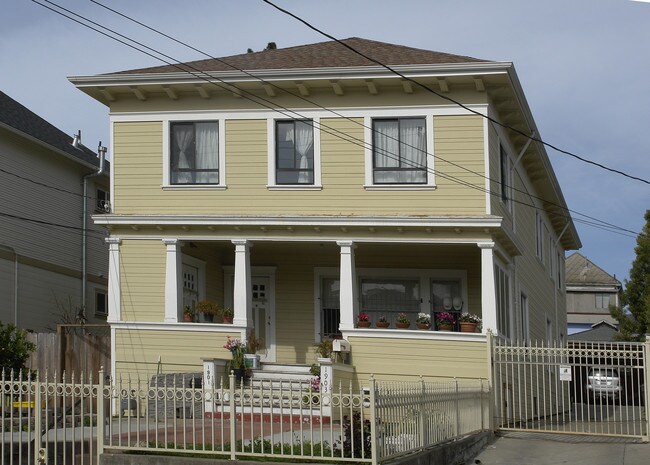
(137,352)
(138,174)
(142,280)
(459,165)
(406,359)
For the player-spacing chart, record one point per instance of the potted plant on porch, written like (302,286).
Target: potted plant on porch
(363,320)
(469,322)
(208,309)
(445,321)
(382,322)
(423,321)
(324,350)
(237,349)
(402,321)
(251,358)
(227,315)
(188,313)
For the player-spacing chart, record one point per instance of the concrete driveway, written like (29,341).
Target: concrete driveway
(542,449)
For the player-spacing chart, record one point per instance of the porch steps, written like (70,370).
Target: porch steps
(281,376)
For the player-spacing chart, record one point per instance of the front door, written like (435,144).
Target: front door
(264,317)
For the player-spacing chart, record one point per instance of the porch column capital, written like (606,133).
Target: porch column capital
(488,290)
(348,285)
(486,245)
(114,288)
(173,282)
(243,291)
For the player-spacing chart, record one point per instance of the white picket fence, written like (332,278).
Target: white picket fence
(72,420)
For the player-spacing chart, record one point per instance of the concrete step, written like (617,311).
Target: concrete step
(284,368)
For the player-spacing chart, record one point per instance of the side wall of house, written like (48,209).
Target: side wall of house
(534,277)
(49,249)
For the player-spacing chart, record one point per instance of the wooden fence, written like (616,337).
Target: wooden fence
(72,349)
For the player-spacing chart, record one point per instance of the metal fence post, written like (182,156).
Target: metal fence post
(100,414)
(457,409)
(233,415)
(421,408)
(38,411)
(646,387)
(374,451)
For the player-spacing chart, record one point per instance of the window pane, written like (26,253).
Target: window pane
(194,153)
(330,305)
(389,297)
(399,151)
(294,152)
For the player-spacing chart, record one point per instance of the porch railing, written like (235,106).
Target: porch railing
(68,420)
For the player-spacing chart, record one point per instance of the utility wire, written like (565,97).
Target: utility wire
(49,186)
(353,120)
(428,89)
(92,234)
(201,75)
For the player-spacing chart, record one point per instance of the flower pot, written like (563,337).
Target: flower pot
(424,326)
(382,324)
(402,325)
(363,324)
(227,319)
(467,327)
(208,317)
(188,318)
(252,361)
(445,327)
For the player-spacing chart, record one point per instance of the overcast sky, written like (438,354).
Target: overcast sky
(584,66)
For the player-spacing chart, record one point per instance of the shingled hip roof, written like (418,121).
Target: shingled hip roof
(329,54)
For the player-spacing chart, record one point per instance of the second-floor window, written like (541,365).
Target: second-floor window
(294,152)
(194,148)
(399,151)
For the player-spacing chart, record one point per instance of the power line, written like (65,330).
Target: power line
(187,68)
(49,186)
(428,89)
(92,234)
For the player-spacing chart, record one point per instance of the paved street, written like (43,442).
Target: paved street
(541,449)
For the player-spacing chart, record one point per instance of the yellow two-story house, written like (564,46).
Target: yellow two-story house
(304,186)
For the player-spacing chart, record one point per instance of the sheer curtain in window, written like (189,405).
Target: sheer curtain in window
(183,136)
(413,150)
(386,150)
(301,133)
(207,153)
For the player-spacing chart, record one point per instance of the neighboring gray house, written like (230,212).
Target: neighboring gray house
(599,332)
(42,224)
(590,291)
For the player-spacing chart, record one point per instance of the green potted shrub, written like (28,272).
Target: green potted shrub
(208,309)
(227,315)
(324,350)
(188,313)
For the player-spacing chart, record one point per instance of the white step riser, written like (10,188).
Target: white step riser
(276,367)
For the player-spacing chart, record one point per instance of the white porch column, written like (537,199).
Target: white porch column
(348,285)
(488,291)
(242,293)
(173,282)
(114,290)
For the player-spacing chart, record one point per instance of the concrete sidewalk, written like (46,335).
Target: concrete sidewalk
(530,449)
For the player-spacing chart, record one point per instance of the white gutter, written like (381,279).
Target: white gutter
(352,72)
(101,153)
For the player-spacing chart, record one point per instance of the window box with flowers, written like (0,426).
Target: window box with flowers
(469,323)
(382,322)
(445,321)
(423,321)
(402,321)
(363,320)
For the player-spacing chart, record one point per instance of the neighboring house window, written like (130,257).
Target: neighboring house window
(102,201)
(602,300)
(294,152)
(330,307)
(504,163)
(194,149)
(399,151)
(539,234)
(560,268)
(502,288)
(389,297)
(525,318)
(101,303)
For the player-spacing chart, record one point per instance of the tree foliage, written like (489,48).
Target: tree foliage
(15,349)
(634,315)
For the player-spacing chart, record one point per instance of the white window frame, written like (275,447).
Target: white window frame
(166,152)
(369,146)
(509,330)
(505,177)
(106,201)
(271,181)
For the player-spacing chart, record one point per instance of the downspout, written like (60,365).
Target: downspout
(101,153)
(15,281)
